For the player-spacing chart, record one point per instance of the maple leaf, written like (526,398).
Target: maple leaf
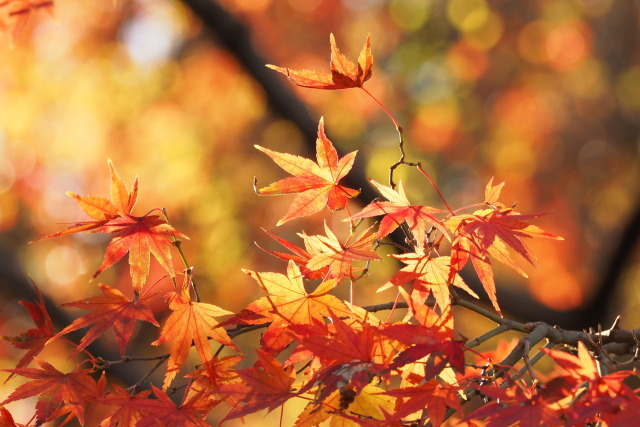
(317,183)
(518,403)
(288,303)
(490,232)
(138,236)
(164,412)
(190,321)
(123,407)
(34,339)
(397,210)
(601,396)
(433,336)
(428,275)
(215,373)
(115,310)
(344,73)
(431,396)
(581,367)
(102,210)
(299,256)
(492,193)
(265,385)
(352,354)
(340,256)
(14,15)
(75,390)
(6,419)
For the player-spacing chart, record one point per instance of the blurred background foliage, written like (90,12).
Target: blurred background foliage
(542,94)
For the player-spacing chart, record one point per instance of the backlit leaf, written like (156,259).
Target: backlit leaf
(344,73)
(317,183)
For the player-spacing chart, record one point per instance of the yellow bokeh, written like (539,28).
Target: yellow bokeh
(468,15)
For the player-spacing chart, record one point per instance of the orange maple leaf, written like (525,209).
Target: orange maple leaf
(370,404)
(490,232)
(288,303)
(34,339)
(216,372)
(123,407)
(288,300)
(339,257)
(344,73)
(138,236)
(75,390)
(317,183)
(14,15)
(428,275)
(115,310)
(190,321)
(265,385)
(299,256)
(397,210)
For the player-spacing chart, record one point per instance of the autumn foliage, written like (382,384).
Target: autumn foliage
(348,365)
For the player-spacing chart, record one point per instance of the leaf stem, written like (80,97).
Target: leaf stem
(419,166)
(188,267)
(393,309)
(395,122)
(402,160)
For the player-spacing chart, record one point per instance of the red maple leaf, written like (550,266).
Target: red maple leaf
(75,390)
(344,73)
(518,403)
(397,210)
(433,335)
(164,412)
(123,407)
(112,310)
(6,419)
(138,236)
(339,257)
(190,321)
(603,396)
(490,232)
(432,396)
(34,339)
(351,354)
(317,183)
(265,385)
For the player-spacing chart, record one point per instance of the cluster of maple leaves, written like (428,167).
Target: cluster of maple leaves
(351,367)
